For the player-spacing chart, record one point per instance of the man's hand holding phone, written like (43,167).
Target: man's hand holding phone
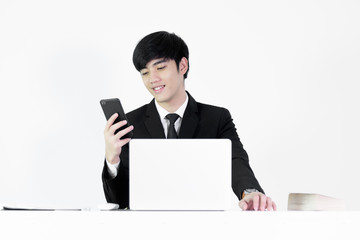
(113,142)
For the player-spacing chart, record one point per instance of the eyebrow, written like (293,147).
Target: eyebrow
(157,63)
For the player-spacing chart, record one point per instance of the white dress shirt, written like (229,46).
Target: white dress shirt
(113,168)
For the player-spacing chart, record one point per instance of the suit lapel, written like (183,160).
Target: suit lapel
(152,121)
(190,120)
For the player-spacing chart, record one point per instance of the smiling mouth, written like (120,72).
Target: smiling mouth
(156,89)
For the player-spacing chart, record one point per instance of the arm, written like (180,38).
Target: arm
(116,189)
(242,175)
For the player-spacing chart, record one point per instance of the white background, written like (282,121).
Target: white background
(288,71)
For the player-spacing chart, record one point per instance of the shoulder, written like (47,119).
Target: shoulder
(203,108)
(207,109)
(138,113)
(140,110)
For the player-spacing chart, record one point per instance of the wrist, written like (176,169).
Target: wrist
(248,191)
(112,159)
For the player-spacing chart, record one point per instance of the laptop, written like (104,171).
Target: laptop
(180,174)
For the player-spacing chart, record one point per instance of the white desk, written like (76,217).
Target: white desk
(178,225)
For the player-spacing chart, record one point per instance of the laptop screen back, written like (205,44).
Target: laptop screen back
(180,174)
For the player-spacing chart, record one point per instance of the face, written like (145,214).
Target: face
(165,82)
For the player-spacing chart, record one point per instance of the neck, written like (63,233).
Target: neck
(174,104)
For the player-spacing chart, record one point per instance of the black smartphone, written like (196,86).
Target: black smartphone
(111,106)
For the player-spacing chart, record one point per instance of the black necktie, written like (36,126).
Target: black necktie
(171,130)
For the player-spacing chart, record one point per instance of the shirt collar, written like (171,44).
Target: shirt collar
(163,112)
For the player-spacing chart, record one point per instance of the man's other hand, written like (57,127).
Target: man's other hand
(257,201)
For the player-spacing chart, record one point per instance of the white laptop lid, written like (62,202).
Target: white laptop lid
(180,174)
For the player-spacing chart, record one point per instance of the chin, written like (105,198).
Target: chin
(160,99)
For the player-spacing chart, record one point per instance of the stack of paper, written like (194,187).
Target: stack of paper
(314,202)
(38,207)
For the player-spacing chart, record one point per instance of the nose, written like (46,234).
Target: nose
(154,77)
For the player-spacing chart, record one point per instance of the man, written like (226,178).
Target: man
(163,62)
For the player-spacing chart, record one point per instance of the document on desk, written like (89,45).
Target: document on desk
(26,207)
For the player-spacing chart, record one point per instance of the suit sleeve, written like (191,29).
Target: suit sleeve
(117,189)
(242,175)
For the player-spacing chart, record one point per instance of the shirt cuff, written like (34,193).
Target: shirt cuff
(112,168)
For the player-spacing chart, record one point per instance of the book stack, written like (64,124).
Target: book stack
(314,202)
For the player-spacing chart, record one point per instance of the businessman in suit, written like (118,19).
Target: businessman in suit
(163,62)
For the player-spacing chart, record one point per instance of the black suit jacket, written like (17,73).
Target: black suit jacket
(199,121)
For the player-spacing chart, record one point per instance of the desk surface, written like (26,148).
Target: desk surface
(178,225)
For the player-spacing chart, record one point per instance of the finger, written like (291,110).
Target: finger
(255,200)
(269,205)
(110,121)
(274,206)
(262,204)
(117,125)
(124,132)
(243,205)
(124,141)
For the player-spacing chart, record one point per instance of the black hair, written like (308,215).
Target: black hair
(160,45)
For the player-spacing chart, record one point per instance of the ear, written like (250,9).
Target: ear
(183,65)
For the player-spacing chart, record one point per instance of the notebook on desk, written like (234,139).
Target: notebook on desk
(180,174)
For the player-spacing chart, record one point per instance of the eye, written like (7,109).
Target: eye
(162,67)
(144,73)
